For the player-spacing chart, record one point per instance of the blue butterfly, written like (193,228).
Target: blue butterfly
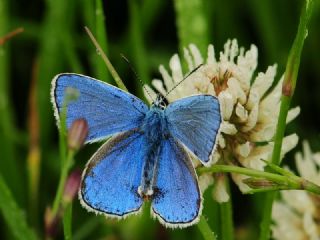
(146,157)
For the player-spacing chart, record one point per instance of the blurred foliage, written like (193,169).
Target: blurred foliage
(145,31)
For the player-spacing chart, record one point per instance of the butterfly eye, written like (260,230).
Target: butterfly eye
(162,105)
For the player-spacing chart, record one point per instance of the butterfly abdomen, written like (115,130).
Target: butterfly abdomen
(154,127)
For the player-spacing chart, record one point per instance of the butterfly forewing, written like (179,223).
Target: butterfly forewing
(107,109)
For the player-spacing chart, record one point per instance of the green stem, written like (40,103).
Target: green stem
(227,229)
(67,222)
(241,170)
(113,72)
(288,88)
(63,177)
(284,108)
(62,135)
(205,229)
(290,182)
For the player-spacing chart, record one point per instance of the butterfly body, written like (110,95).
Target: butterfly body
(145,158)
(155,129)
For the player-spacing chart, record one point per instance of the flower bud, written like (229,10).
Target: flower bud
(77,133)
(257,183)
(51,223)
(72,186)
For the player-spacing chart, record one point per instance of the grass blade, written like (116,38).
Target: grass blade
(14,217)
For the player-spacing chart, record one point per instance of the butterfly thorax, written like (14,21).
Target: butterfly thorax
(155,129)
(154,124)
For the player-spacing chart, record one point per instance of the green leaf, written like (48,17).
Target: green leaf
(13,215)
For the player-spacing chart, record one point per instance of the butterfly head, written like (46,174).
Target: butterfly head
(159,102)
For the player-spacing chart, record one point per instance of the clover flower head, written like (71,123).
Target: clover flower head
(249,103)
(296,215)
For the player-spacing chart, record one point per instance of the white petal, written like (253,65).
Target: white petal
(168,81)
(236,90)
(234,50)
(211,55)
(241,112)
(159,86)
(221,141)
(226,104)
(219,191)
(228,128)
(246,65)
(176,68)
(224,56)
(316,157)
(289,142)
(196,55)
(292,114)
(299,200)
(271,103)
(252,119)
(253,99)
(264,80)
(188,58)
(310,226)
(288,223)
(205,180)
(305,164)
(238,179)
(243,149)
(307,151)
(148,90)
(262,133)
(257,154)
(216,157)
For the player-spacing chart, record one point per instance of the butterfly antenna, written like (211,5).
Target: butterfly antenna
(136,75)
(174,87)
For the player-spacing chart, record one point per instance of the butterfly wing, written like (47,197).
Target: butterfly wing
(106,109)
(195,121)
(177,199)
(112,176)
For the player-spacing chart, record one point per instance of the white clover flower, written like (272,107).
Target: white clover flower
(249,105)
(296,215)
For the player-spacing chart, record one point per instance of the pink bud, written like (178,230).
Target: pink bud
(72,186)
(51,223)
(257,183)
(77,133)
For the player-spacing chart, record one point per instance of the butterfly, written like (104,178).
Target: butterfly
(148,152)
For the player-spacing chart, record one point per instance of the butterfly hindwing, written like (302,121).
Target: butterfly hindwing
(107,109)
(177,199)
(195,121)
(111,179)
